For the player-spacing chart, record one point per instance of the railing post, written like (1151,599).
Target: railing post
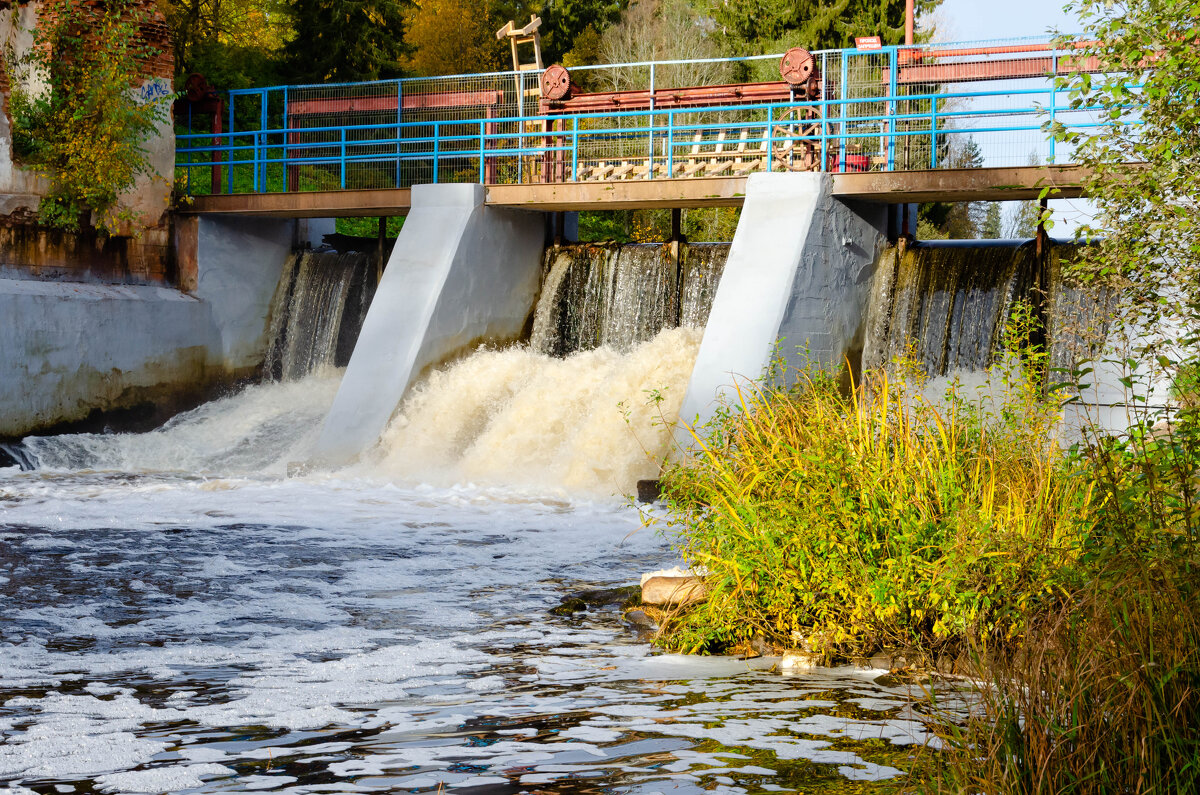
(574,148)
(842,112)
(824,106)
(824,114)
(670,143)
(933,153)
(287,136)
(481,145)
(892,108)
(263,139)
(400,130)
(771,138)
(435,152)
(232,138)
(1053,102)
(343,138)
(650,154)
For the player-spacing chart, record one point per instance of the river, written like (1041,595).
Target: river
(179,615)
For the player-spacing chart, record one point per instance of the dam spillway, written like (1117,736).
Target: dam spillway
(617,295)
(372,626)
(317,312)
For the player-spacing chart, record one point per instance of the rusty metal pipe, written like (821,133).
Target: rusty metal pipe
(909,21)
(1004,49)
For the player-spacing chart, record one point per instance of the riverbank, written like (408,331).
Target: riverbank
(963,529)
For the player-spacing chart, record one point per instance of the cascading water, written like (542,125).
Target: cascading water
(584,407)
(616,296)
(317,312)
(587,404)
(944,306)
(595,421)
(197,622)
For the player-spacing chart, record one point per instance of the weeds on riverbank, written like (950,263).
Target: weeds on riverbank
(1104,696)
(880,518)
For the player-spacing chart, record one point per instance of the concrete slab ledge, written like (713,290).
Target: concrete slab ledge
(887,187)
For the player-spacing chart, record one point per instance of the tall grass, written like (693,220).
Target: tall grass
(958,525)
(879,518)
(1104,695)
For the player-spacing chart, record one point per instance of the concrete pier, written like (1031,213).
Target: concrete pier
(795,285)
(460,274)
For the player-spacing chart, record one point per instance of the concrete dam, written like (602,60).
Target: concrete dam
(487,354)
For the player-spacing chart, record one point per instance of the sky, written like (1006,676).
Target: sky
(974,20)
(971,20)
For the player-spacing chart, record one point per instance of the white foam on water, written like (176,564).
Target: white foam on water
(255,431)
(176,612)
(594,422)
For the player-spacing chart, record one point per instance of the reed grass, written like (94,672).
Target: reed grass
(850,522)
(1065,580)
(1104,695)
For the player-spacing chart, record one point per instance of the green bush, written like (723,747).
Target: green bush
(880,518)
(1104,696)
(86,131)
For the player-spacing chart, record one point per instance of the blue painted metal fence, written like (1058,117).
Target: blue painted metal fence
(487,128)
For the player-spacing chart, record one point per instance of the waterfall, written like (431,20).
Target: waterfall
(317,311)
(944,306)
(619,296)
(596,421)
(702,264)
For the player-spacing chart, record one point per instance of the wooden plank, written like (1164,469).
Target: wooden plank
(444,99)
(1010,69)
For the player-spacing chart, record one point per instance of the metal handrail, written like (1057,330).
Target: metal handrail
(557,138)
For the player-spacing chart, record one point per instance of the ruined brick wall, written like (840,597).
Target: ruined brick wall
(26,249)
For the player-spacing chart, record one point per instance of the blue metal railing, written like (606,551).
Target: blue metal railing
(882,128)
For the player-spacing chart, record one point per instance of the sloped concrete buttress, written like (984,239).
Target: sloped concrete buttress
(460,274)
(795,286)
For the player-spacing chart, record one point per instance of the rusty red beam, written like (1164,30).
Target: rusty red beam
(670,98)
(1009,69)
(444,99)
(996,49)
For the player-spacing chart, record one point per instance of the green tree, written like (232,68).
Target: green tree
(75,119)
(749,27)
(450,37)
(957,220)
(1143,169)
(234,43)
(1023,218)
(345,40)
(993,225)
(571,28)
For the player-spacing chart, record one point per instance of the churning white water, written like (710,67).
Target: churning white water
(595,421)
(178,615)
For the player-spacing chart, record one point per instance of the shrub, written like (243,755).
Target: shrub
(85,132)
(880,518)
(1105,695)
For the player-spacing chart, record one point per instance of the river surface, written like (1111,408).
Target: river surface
(166,627)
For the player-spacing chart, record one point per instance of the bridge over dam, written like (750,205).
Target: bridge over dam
(826,153)
(890,124)
(1007,183)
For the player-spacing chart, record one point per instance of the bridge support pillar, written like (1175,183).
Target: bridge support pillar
(795,287)
(460,274)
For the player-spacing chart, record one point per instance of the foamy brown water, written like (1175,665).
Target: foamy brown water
(591,422)
(178,616)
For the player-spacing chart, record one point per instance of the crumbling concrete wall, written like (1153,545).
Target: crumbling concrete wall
(144,257)
(69,350)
